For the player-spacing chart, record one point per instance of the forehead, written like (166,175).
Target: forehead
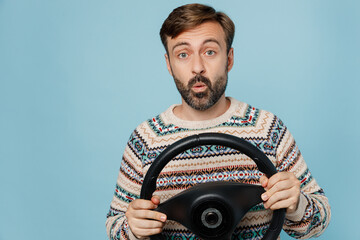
(199,35)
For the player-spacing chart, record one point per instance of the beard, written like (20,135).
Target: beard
(206,99)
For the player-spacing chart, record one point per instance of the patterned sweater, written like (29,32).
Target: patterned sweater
(213,163)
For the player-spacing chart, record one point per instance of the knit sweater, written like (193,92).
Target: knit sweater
(214,163)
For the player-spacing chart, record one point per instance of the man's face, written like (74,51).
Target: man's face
(198,61)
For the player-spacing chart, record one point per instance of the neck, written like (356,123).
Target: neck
(185,112)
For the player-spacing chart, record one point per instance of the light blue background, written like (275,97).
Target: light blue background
(78,76)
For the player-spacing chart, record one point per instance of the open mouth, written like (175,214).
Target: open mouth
(199,87)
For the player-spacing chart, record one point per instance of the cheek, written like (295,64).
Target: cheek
(180,72)
(217,65)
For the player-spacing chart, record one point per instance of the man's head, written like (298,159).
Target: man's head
(189,16)
(198,42)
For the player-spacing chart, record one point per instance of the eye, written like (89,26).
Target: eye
(210,52)
(182,55)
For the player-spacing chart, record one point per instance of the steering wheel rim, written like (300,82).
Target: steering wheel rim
(262,161)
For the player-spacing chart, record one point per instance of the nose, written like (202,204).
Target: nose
(198,66)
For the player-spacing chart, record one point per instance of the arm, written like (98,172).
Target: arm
(130,217)
(294,188)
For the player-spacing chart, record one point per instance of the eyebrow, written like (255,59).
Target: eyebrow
(180,44)
(187,44)
(212,40)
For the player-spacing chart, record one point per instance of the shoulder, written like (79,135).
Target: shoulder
(252,115)
(157,124)
(150,129)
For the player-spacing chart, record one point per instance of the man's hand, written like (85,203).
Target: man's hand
(143,221)
(282,191)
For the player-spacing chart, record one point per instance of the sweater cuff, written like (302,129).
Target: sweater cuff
(298,215)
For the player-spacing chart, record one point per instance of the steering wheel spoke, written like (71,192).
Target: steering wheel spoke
(213,209)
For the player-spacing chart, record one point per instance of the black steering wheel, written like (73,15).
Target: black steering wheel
(212,210)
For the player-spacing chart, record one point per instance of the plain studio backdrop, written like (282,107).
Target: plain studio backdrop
(76,77)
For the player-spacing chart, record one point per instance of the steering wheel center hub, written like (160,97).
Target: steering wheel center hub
(211,218)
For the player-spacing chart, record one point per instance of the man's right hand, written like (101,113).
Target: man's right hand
(143,221)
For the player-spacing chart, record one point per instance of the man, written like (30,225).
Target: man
(199,56)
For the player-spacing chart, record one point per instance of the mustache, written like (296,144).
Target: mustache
(199,78)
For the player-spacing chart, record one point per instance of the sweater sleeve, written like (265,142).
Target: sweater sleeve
(127,189)
(313,213)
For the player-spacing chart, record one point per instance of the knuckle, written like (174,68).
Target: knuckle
(272,181)
(128,213)
(296,189)
(282,185)
(271,201)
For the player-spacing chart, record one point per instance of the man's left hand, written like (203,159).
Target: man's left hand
(282,191)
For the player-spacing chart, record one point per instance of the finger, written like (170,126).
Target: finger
(290,196)
(142,204)
(146,223)
(280,176)
(145,232)
(278,205)
(278,187)
(145,227)
(147,214)
(278,196)
(264,181)
(155,200)
(289,204)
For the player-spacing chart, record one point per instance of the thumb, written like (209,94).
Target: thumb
(264,181)
(155,200)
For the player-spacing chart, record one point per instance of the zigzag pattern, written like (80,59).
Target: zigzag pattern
(253,232)
(176,234)
(256,218)
(116,206)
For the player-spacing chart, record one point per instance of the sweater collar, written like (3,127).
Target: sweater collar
(169,117)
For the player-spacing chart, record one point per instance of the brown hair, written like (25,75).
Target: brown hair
(192,15)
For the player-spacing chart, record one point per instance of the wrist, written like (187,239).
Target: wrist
(133,237)
(298,214)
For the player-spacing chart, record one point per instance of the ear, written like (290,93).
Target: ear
(230,59)
(168,64)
